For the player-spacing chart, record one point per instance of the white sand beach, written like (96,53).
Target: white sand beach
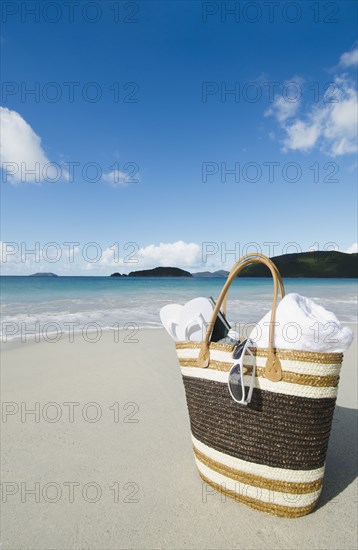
(108,456)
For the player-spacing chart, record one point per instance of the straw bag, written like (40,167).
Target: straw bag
(269,454)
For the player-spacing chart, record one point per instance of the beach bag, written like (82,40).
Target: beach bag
(268,454)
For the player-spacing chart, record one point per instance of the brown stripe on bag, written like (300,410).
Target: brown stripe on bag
(296,488)
(268,507)
(281,431)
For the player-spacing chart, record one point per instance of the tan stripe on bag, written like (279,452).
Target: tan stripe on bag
(287,376)
(283,354)
(258,481)
(275,509)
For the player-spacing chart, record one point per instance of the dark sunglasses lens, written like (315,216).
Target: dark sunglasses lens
(239,349)
(235,383)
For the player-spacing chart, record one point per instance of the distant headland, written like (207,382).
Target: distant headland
(157,272)
(43,274)
(320,264)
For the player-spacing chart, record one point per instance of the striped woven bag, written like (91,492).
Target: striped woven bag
(269,454)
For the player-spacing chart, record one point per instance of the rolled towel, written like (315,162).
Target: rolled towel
(302,324)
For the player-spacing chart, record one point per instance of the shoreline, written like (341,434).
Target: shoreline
(15,342)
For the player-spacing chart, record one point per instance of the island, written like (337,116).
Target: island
(157,272)
(43,274)
(319,264)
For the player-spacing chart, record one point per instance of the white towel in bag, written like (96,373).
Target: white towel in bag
(303,325)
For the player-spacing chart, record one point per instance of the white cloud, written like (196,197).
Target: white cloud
(301,135)
(340,125)
(352,249)
(117,178)
(170,254)
(349,59)
(331,124)
(282,109)
(22,156)
(177,254)
(23,159)
(286,105)
(109,258)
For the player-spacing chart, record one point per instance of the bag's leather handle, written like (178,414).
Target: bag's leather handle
(256,261)
(273,369)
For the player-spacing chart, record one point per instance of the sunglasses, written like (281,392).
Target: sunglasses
(238,391)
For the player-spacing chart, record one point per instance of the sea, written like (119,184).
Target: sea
(43,307)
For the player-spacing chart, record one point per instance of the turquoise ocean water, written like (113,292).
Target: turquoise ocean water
(74,303)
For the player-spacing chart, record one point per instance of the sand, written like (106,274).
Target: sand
(108,456)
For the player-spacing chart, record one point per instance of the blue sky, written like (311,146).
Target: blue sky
(148,81)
